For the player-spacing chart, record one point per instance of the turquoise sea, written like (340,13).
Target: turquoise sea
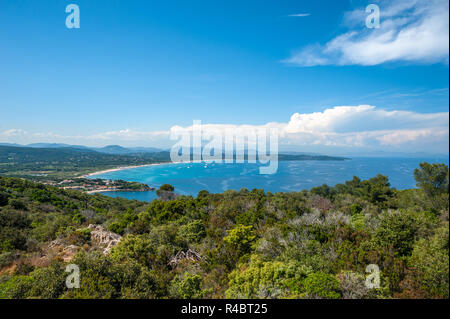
(190,178)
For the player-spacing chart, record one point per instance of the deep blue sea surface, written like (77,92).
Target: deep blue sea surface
(190,178)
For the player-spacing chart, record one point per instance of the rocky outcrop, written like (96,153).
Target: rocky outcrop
(59,248)
(69,252)
(103,238)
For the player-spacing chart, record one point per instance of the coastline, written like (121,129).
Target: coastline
(117,190)
(121,168)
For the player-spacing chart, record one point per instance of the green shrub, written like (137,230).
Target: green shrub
(16,287)
(192,232)
(240,237)
(187,287)
(321,285)
(271,279)
(430,259)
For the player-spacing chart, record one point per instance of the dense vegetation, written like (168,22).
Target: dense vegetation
(90,184)
(59,163)
(247,244)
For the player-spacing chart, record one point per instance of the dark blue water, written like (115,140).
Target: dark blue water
(190,178)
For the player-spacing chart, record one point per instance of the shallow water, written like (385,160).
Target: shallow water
(190,178)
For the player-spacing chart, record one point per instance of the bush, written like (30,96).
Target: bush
(4,198)
(397,229)
(352,285)
(240,237)
(320,285)
(48,282)
(92,286)
(17,204)
(135,247)
(272,279)
(17,287)
(430,259)
(192,232)
(188,287)
(78,219)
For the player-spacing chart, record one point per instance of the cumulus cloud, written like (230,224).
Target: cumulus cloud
(342,119)
(366,126)
(354,127)
(410,31)
(362,126)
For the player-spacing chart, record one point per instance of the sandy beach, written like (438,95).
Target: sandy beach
(135,166)
(126,167)
(121,168)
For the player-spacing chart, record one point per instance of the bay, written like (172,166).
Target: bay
(190,178)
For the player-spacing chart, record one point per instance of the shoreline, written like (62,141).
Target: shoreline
(95,191)
(121,168)
(109,170)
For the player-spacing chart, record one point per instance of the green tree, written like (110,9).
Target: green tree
(432,178)
(397,229)
(166,192)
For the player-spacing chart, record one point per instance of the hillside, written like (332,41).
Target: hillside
(238,244)
(44,163)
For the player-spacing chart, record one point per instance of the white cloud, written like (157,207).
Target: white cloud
(366,126)
(362,126)
(407,136)
(413,31)
(129,135)
(345,119)
(351,127)
(299,15)
(13,133)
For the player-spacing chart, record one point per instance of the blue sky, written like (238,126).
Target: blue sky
(145,66)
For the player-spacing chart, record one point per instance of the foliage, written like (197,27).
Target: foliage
(188,286)
(246,243)
(321,285)
(267,280)
(398,230)
(240,238)
(432,178)
(430,259)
